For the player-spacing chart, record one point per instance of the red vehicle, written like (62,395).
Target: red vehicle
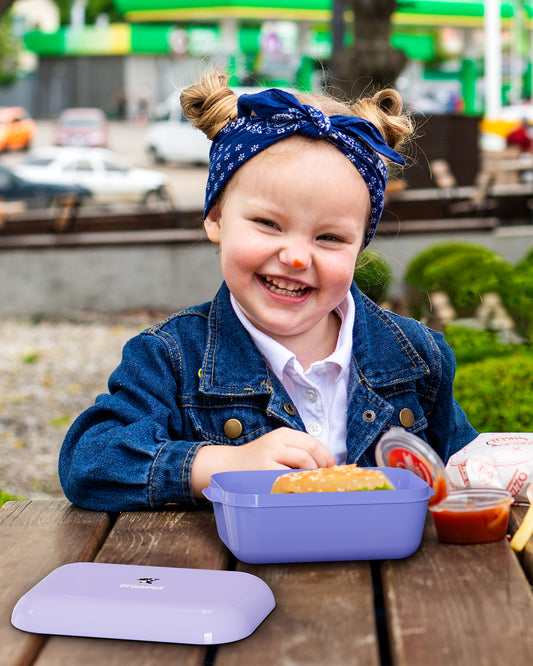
(82,127)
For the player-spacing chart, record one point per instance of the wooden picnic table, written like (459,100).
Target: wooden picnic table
(444,605)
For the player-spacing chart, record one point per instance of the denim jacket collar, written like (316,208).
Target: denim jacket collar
(232,364)
(383,355)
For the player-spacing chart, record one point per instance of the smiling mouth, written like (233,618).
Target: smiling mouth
(284,287)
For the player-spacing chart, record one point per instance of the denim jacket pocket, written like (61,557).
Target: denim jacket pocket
(229,424)
(407,411)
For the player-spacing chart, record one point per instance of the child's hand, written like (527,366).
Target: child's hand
(282,448)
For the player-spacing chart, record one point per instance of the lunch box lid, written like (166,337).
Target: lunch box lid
(252,489)
(145,603)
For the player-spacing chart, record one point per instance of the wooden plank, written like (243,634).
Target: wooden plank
(324,616)
(432,194)
(455,604)
(526,556)
(99,219)
(160,538)
(104,238)
(35,538)
(399,227)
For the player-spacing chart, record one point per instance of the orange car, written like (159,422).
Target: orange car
(17,128)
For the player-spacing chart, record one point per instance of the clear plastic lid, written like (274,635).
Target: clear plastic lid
(399,448)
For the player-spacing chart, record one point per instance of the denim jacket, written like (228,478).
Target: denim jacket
(182,380)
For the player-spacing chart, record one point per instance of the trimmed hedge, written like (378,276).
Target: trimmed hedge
(373,275)
(470,344)
(463,270)
(518,299)
(497,393)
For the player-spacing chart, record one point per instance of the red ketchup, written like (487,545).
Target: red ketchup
(472,516)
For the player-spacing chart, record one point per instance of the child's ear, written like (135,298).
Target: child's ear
(212,224)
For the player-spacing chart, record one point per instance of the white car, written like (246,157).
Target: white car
(171,137)
(107,175)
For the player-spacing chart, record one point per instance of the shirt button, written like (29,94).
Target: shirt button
(315,429)
(310,395)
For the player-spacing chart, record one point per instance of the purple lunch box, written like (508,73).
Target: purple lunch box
(259,527)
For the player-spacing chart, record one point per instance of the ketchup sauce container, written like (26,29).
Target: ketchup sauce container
(473,515)
(470,515)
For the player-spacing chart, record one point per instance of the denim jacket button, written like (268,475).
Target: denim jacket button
(233,428)
(369,416)
(407,418)
(289,408)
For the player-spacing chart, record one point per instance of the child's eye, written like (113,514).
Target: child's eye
(330,238)
(266,223)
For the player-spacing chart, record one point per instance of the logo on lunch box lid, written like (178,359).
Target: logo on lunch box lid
(146,583)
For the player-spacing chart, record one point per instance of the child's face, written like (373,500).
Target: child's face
(290,226)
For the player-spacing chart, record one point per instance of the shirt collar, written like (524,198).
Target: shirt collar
(280,358)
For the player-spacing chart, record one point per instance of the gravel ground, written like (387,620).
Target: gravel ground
(49,373)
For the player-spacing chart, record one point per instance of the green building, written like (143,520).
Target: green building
(164,44)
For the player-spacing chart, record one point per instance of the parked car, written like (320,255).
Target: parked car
(171,137)
(107,175)
(17,128)
(81,127)
(38,195)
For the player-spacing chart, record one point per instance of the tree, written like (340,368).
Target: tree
(9,51)
(371,63)
(93,9)
(5,5)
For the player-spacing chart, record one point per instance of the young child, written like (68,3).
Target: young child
(290,365)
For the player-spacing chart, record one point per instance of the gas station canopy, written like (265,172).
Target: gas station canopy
(459,13)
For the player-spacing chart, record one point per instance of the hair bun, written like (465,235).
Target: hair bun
(210,104)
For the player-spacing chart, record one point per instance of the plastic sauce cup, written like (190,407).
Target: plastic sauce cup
(474,515)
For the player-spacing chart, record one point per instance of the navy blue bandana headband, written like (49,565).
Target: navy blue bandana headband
(267,117)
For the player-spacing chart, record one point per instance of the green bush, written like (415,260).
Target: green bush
(463,270)
(497,393)
(373,275)
(6,497)
(518,299)
(471,344)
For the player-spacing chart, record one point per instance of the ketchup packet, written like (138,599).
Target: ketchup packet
(494,460)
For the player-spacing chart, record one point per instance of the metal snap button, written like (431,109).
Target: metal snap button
(407,418)
(289,408)
(369,416)
(233,428)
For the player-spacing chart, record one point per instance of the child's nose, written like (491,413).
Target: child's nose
(297,257)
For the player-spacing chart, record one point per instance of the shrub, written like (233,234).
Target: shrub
(471,344)
(6,497)
(518,299)
(463,270)
(497,393)
(373,275)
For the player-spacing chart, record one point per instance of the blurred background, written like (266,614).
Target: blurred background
(102,184)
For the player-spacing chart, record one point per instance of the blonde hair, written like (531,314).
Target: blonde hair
(211,104)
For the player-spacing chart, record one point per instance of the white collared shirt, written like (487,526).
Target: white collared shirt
(320,393)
